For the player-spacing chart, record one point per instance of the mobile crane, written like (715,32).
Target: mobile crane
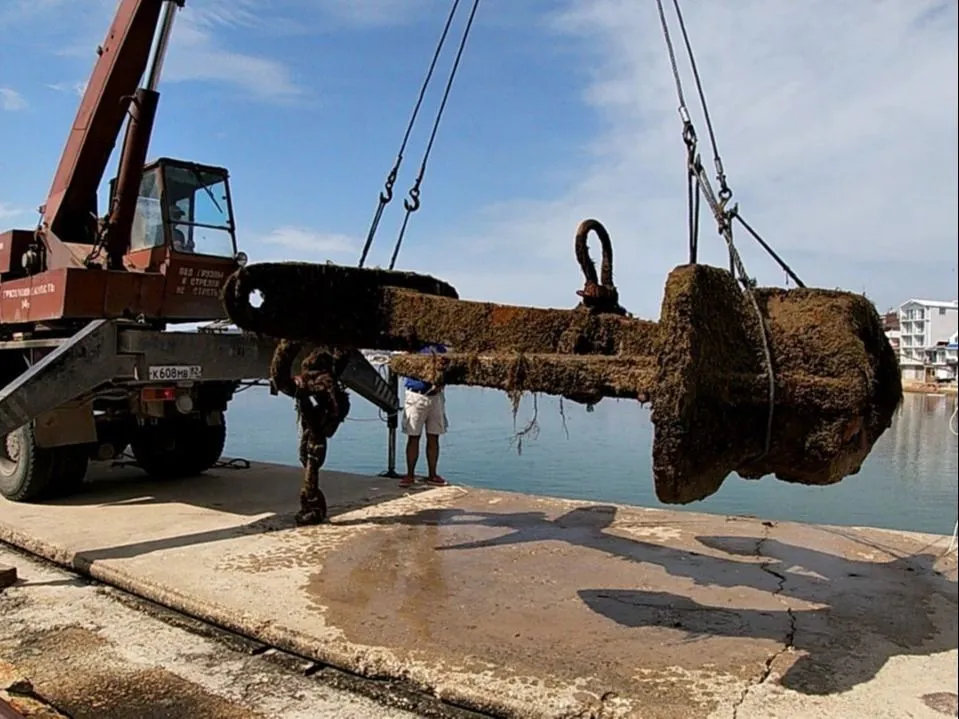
(86,366)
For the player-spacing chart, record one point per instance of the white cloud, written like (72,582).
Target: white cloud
(197,52)
(77,88)
(196,55)
(302,244)
(11,100)
(7,211)
(836,123)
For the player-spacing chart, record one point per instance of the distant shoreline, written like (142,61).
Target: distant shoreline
(922,388)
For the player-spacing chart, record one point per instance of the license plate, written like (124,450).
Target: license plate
(167,373)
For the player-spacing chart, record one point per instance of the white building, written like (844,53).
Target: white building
(894,337)
(926,328)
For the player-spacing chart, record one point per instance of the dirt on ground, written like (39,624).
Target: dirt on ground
(18,695)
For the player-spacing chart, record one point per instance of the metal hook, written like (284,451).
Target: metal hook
(415,197)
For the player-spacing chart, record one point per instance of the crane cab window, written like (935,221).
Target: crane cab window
(147,230)
(199,211)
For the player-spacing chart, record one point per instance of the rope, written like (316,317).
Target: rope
(413,203)
(387,195)
(740,271)
(693,196)
(689,137)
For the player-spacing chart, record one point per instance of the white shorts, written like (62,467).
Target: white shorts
(420,410)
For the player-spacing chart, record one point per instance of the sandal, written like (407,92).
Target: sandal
(407,481)
(437,481)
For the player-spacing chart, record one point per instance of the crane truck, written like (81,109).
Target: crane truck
(88,366)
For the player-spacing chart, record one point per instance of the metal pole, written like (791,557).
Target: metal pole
(392,422)
(162,43)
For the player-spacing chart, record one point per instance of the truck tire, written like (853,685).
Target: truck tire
(26,470)
(179,446)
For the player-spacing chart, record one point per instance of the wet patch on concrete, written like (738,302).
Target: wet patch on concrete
(496,589)
(306,547)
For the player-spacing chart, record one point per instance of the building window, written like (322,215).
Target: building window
(942,311)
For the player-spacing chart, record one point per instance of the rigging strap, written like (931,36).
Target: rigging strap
(413,203)
(387,194)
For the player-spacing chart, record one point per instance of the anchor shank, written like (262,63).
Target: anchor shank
(347,307)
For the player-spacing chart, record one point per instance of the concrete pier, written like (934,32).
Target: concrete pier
(523,606)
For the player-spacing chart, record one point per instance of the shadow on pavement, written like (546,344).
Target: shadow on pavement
(862,613)
(252,491)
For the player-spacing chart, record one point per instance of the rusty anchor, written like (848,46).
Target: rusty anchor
(835,380)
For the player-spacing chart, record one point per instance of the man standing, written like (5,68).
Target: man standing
(424,408)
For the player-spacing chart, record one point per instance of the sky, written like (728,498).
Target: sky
(837,124)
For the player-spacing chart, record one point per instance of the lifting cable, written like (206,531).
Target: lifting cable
(413,203)
(697,182)
(387,195)
(717,204)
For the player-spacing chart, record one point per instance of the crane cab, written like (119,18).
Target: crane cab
(184,229)
(182,208)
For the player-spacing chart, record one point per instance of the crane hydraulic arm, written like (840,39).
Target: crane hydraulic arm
(69,214)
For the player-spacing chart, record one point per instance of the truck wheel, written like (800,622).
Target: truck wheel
(178,446)
(26,470)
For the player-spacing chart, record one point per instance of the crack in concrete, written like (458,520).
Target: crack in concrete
(788,640)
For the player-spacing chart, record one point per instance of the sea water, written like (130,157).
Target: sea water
(909,481)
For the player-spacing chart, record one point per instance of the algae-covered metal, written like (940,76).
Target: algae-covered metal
(834,379)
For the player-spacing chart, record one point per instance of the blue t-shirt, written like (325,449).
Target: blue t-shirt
(418,385)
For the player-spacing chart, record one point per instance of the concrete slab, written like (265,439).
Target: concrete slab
(91,652)
(534,607)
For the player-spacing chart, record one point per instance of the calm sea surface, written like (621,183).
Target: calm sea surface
(908,482)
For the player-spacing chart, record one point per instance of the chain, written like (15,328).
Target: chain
(322,405)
